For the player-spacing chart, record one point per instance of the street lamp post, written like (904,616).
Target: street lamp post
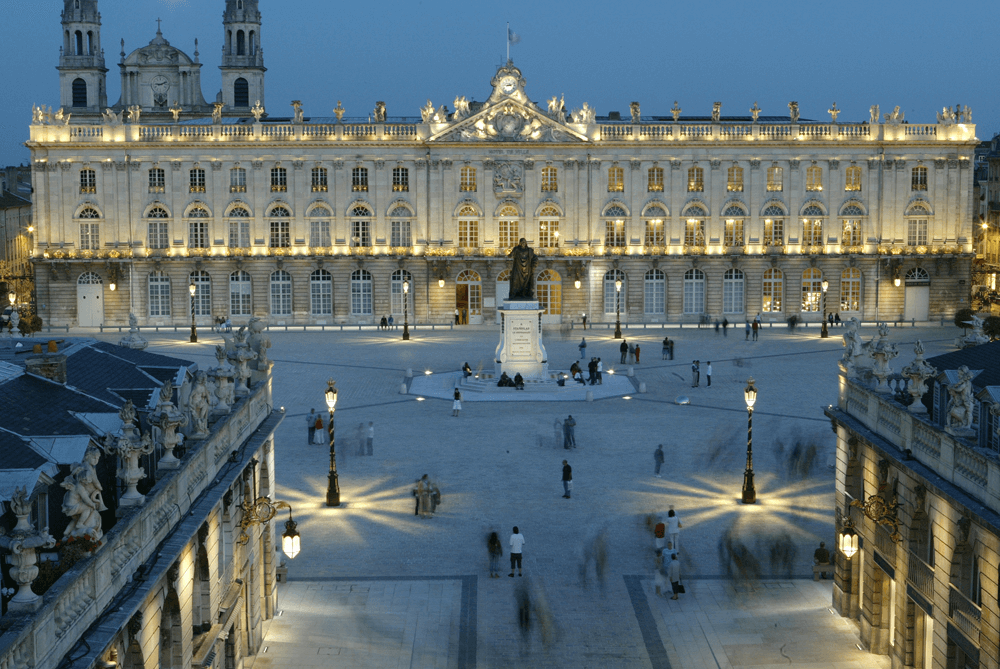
(749,492)
(618,308)
(194,329)
(824,333)
(333,486)
(406,312)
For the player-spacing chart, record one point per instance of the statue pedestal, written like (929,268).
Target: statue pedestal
(520,349)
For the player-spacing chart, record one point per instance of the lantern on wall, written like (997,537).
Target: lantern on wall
(848,539)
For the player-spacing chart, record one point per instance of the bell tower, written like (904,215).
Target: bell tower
(242,57)
(82,75)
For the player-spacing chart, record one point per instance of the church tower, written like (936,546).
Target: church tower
(82,75)
(242,57)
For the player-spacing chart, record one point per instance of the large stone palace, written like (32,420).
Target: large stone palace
(304,219)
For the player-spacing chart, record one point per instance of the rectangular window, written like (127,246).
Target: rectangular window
(734,232)
(774,232)
(88,181)
(359,179)
(401,234)
(319,183)
(319,234)
(281,297)
(696,180)
(239,234)
(157,180)
(468,180)
(361,233)
(916,232)
(814,178)
(158,235)
(812,232)
(90,236)
(509,232)
(468,234)
(918,180)
(654,233)
(852,232)
(548,233)
(852,180)
(614,233)
(279,180)
(198,234)
(240,297)
(550,180)
(159,295)
(775,178)
(400,179)
(694,232)
(196,180)
(237,180)
(734,184)
(280,235)
(616,180)
(654,180)
(321,297)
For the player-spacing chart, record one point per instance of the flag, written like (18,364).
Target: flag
(512,37)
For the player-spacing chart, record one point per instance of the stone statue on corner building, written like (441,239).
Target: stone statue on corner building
(960,405)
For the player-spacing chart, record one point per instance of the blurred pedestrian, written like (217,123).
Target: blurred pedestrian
(456,405)
(675,575)
(695,373)
(708,373)
(371,438)
(318,437)
(311,420)
(567,480)
(495,549)
(516,543)
(725,327)
(666,348)
(631,354)
(624,350)
(821,556)
(637,354)
(674,528)
(600,370)
(583,348)
(569,429)
(747,337)
(658,460)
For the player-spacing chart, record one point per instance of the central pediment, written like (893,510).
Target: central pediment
(509,120)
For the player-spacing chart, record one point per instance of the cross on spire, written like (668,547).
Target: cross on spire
(158,25)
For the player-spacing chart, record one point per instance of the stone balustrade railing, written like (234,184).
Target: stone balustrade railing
(614,132)
(975,470)
(76,600)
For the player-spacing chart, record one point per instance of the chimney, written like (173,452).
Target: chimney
(50,365)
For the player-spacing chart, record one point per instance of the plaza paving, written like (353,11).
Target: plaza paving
(375,586)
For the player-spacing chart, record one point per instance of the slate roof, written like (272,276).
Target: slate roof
(95,372)
(17,454)
(985,357)
(32,406)
(140,357)
(10,200)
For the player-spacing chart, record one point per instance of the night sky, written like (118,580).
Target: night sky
(918,55)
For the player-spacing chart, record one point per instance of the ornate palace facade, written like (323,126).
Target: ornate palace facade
(310,220)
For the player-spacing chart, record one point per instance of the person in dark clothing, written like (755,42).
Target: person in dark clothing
(666,348)
(695,373)
(725,327)
(592,369)
(567,479)
(624,350)
(466,370)
(569,432)
(821,556)
(519,381)
(504,381)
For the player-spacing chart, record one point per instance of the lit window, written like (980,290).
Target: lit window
(237,180)
(548,228)
(812,226)
(548,292)
(88,181)
(319,182)
(814,178)
(400,227)
(616,179)
(655,235)
(198,229)
(508,227)
(918,178)
(916,226)
(694,227)
(812,289)
(280,237)
(400,179)
(734,226)
(850,289)
(157,180)
(196,180)
(90,236)
(279,180)
(359,179)
(853,179)
(239,228)
(361,227)
(654,183)
(775,178)
(468,180)
(852,225)
(696,180)
(468,228)
(319,227)
(550,180)
(774,226)
(614,227)
(734,183)
(773,286)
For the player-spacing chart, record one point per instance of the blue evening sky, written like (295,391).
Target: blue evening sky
(920,55)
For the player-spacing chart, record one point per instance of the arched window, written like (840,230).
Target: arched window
(361,226)
(89,279)
(400,235)
(772,291)
(280,228)
(696,180)
(198,229)
(319,227)
(361,293)
(397,293)
(239,228)
(850,289)
(917,276)
(655,231)
(812,289)
(240,294)
(159,294)
(694,291)
(241,92)
(654,292)
(158,230)
(468,227)
(508,227)
(612,295)
(241,43)
(548,292)
(79,93)
(774,225)
(852,216)
(732,292)
(281,293)
(503,287)
(812,226)
(90,233)
(614,226)
(79,42)
(852,179)
(321,293)
(694,226)
(202,293)
(548,228)
(734,226)
(916,225)
(469,293)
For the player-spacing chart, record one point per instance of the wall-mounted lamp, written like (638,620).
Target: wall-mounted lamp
(848,540)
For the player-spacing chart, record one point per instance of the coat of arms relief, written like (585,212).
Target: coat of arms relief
(508,178)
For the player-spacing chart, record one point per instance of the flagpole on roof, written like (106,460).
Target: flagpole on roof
(508,40)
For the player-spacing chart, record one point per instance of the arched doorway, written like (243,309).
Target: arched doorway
(468,298)
(548,291)
(503,291)
(89,300)
(918,294)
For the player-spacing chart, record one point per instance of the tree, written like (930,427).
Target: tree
(963,317)
(991,326)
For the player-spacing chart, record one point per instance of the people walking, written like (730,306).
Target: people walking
(318,436)
(631,354)
(725,327)
(637,354)
(592,370)
(495,549)
(600,369)
(390,320)
(456,405)
(569,433)
(583,348)
(675,575)
(311,420)
(425,492)
(747,338)
(755,326)
(666,348)
(658,460)
(708,373)
(695,374)
(674,528)
(516,544)
(567,480)
(371,438)
(624,350)
(584,316)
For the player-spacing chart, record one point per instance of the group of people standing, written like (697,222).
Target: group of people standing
(696,373)
(428,497)
(666,565)
(495,549)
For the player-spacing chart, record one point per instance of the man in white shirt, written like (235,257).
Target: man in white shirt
(708,373)
(516,542)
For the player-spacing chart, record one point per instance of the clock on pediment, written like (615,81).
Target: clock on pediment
(507,82)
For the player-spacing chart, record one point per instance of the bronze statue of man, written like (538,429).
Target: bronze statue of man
(522,274)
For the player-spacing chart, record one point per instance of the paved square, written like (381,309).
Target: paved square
(499,464)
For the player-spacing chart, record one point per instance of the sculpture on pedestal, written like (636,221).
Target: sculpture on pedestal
(23,543)
(881,352)
(168,418)
(223,377)
(960,405)
(918,372)
(199,405)
(128,446)
(241,356)
(522,273)
(133,339)
(974,338)
(83,501)
(853,348)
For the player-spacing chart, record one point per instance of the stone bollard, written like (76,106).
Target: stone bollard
(642,387)
(590,395)
(409,372)
(631,371)
(402,389)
